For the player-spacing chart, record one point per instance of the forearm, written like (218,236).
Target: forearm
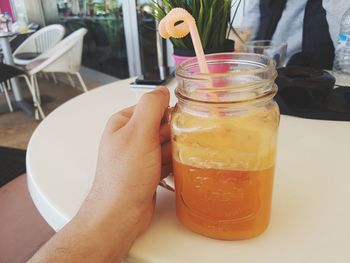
(121,202)
(91,237)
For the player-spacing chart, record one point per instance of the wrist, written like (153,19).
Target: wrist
(115,228)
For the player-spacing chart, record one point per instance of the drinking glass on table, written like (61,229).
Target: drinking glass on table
(224,134)
(273,49)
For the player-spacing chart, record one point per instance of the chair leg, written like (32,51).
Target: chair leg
(8,99)
(38,97)
(37,104)
(72,83)
(34,95)
(36,87)
(54,77)
(4,89)
(81,82)
(9,85)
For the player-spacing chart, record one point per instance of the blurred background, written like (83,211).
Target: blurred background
(113,26)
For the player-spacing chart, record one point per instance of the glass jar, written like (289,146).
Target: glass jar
(224,132)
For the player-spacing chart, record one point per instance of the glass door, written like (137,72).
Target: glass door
(147,36)
(153,49)
(121,39)
(104,45)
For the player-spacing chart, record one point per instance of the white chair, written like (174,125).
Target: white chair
(3,89)
(38,43)
(65,57)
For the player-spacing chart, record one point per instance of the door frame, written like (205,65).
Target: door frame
(132,37)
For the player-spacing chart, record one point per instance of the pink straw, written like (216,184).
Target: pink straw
(167,29)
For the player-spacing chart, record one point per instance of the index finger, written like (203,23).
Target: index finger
(120,119)
(149,111)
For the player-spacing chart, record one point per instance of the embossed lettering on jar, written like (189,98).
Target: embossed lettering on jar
(224,133)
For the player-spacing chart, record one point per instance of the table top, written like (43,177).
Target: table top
(12,34)
(6,34)
(310,210)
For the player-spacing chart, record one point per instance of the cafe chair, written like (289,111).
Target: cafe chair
(3,89)
(38,43)
(65,57)
(7,72)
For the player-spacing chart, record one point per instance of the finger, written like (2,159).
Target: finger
(149,112)
(166,153)
(164,133)
(166,170)
(119,119)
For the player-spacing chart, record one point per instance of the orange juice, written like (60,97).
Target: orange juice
(223,204)
(224,136)
(223,171)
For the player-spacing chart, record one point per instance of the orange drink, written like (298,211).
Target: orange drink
(224,150)
(224,185)
(224,204)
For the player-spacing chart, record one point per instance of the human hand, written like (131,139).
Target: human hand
(134,155)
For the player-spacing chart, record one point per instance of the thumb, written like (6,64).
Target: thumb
(149,111)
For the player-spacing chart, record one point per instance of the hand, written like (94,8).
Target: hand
(134,154)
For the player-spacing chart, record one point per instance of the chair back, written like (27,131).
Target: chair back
(42,40)
(64,57)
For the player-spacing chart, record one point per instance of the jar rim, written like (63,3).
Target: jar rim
(270,66)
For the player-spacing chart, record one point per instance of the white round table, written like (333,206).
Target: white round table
(310,213)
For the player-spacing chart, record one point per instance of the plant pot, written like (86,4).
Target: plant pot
(181,55)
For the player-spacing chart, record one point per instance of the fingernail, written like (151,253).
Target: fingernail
(163,89)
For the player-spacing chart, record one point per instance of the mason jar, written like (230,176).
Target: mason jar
(224,134)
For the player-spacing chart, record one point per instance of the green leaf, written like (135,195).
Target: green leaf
(212,19)
(207,30)
(199,22)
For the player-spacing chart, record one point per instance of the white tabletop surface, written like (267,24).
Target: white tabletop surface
(311,203)
(6,34)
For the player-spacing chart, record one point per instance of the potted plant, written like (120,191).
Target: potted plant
(213,23)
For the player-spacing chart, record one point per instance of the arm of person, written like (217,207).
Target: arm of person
(92,237)
(134,155)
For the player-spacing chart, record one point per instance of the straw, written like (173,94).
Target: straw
(168,27)
(177,24)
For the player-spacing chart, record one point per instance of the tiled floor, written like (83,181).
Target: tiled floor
(16,128)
